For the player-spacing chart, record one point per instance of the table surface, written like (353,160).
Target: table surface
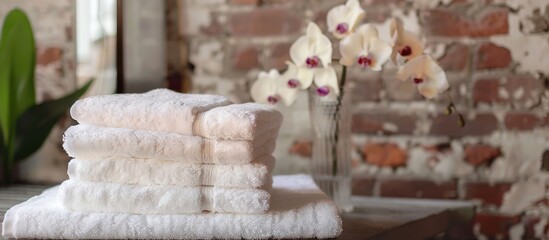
(371,218)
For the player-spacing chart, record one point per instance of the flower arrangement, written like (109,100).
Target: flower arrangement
(311,60)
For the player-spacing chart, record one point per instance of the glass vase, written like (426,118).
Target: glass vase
(331,153)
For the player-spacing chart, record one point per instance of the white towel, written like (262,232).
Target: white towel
(160,199)
(95,142)
(164,110)
(298,210)
(153,172)
(245,121)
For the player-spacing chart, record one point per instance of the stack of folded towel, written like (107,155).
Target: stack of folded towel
(168,153)
(169,165)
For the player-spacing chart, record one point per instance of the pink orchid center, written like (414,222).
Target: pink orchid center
(292,83)
(405,51)
(323,91)
(364,61)
(273,99)
(417,80)
(342,28)
(313,62)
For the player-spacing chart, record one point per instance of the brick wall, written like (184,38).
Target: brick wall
(53,23)
(495,53)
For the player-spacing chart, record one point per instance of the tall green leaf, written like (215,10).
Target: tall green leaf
(17,62)
(34,125)
(23,59)
(7,116)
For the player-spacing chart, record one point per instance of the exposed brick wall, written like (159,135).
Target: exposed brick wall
(495,56)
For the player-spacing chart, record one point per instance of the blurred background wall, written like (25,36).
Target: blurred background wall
(495,53)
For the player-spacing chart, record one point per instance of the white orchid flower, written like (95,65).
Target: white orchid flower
(406,45)
(326,82)
(426,74)
(342,19)
(312,55)
(364,48)
(266,88)
(291,83)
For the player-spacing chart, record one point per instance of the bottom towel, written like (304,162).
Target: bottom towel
(85,196)
(298,210)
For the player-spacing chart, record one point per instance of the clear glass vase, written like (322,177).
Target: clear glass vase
(331,153)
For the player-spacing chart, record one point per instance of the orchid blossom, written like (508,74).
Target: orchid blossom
(342,19)
(290,80)
(266,88)
(426,74)
(312,55)
(364,48)
(406,45)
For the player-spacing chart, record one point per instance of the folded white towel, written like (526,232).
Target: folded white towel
(96,142)
(245,121)
(160,199)
(298,210)
(153,172)
(163,108)
(189,114)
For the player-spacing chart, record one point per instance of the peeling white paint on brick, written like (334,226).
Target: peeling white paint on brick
(539,228)
(516,232)
(207,56)
(522,195)
(530,51)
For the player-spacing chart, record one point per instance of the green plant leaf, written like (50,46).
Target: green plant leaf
(6,97)
(34,125)
(2,148)
(23,59)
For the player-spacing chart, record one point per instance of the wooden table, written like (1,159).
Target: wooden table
(372,218)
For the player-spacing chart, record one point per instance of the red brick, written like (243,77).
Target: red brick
(492,56)
(301,147)
(489,194)
(410,188)
(280,53)
(481,124)
(441,147)
(373,16)
(214,29)
(245,58)
(521,121)
(481,154)
(384,154)
(486,90)
(244,2)
(530,224)
(320,16)
(494,225)
(363,186)
(545,122)
(456,57)
(46,56)
(366,90)
(373,122)
(448,23)
(262,22)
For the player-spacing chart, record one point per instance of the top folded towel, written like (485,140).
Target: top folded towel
(208,116)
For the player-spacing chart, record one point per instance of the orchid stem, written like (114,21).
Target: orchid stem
(452,108)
